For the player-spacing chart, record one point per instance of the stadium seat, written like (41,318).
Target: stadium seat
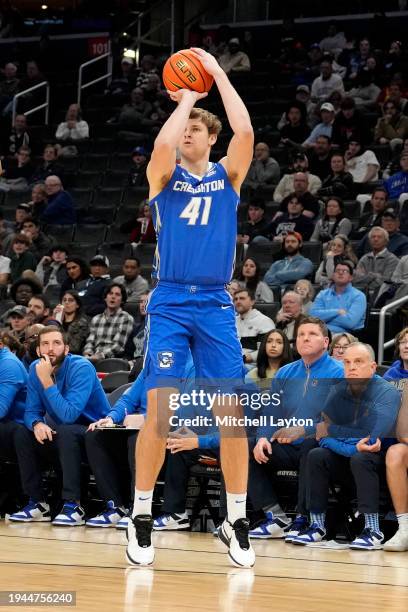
(114,380)
(115,179)
(114,234)
(107,196)
(88,180)
(82,197)
(61,233)
(313,251)
(116,252)
(268,309)
(113,364)
(90,233)
(95,163)
(115,395)
(145,254)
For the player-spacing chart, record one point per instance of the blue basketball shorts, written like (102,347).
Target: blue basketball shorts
(181,318)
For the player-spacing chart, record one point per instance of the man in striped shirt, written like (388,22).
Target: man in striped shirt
(110,330)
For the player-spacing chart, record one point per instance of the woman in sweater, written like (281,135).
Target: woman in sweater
(333,222)
(74,323)
(249,277)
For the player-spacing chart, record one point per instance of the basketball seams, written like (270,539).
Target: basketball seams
(191,60)
(174,78)
(178,73)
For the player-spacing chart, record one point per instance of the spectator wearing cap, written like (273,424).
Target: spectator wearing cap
(326,83)
(49,166)
(362,164)
(392,128)
(124,81)
(255,225)
(291,221)
(341,306)
(60,208)
(233,59)
(21,258)
(319,157)
(74,128)
(110,330)
(18,320)
(51,269)
(264,169)
(375,268)
(137,174)
(40,242)
(295,130)
(147,69)
(91,290)
(286,185)
(398,243)
(301,191)
(324,128)
(338,183)
(17,172)
(292,267)
(349,124)
(131,279)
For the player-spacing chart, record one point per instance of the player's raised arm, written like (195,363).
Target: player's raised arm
(163,159)
(240,150)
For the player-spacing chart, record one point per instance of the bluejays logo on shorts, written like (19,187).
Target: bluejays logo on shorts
(166,359)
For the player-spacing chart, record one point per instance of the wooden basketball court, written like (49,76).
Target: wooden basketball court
(192,572)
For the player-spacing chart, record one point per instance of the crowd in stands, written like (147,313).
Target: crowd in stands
(322,240)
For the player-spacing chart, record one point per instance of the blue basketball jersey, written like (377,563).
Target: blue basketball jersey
(196,226)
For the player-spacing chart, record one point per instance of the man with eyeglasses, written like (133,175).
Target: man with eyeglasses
(341,306)
(60,208)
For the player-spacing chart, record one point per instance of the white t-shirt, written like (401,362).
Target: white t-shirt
(357,166)
(4,265)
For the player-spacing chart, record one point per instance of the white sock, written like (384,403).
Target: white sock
(143,502)
(236,506)
(403,521)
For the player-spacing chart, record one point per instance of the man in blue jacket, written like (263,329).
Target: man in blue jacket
(359,414)
(60,208)
(302,387)
(293,267)
(341,306)
(15,440)
(64,390)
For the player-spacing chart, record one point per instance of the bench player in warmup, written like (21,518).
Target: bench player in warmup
(194,211)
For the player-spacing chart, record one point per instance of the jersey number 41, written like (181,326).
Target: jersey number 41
(197,206)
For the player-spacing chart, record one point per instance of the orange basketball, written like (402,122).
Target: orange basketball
(184,71)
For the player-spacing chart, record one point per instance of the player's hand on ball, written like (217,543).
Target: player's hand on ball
(208,61)
(178,95)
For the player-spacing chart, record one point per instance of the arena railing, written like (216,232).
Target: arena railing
(107,75)
(30,111)
(381,328)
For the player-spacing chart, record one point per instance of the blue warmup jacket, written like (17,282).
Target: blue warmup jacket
(395,371)
(372,414)
(328,303)
(76,397)
(302,390)
(13,387)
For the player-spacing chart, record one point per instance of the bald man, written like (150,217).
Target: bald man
(60,208)
(359,413)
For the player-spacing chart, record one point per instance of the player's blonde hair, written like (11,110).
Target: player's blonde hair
(211,121)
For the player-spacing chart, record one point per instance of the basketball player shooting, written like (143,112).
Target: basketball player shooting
(194,207)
